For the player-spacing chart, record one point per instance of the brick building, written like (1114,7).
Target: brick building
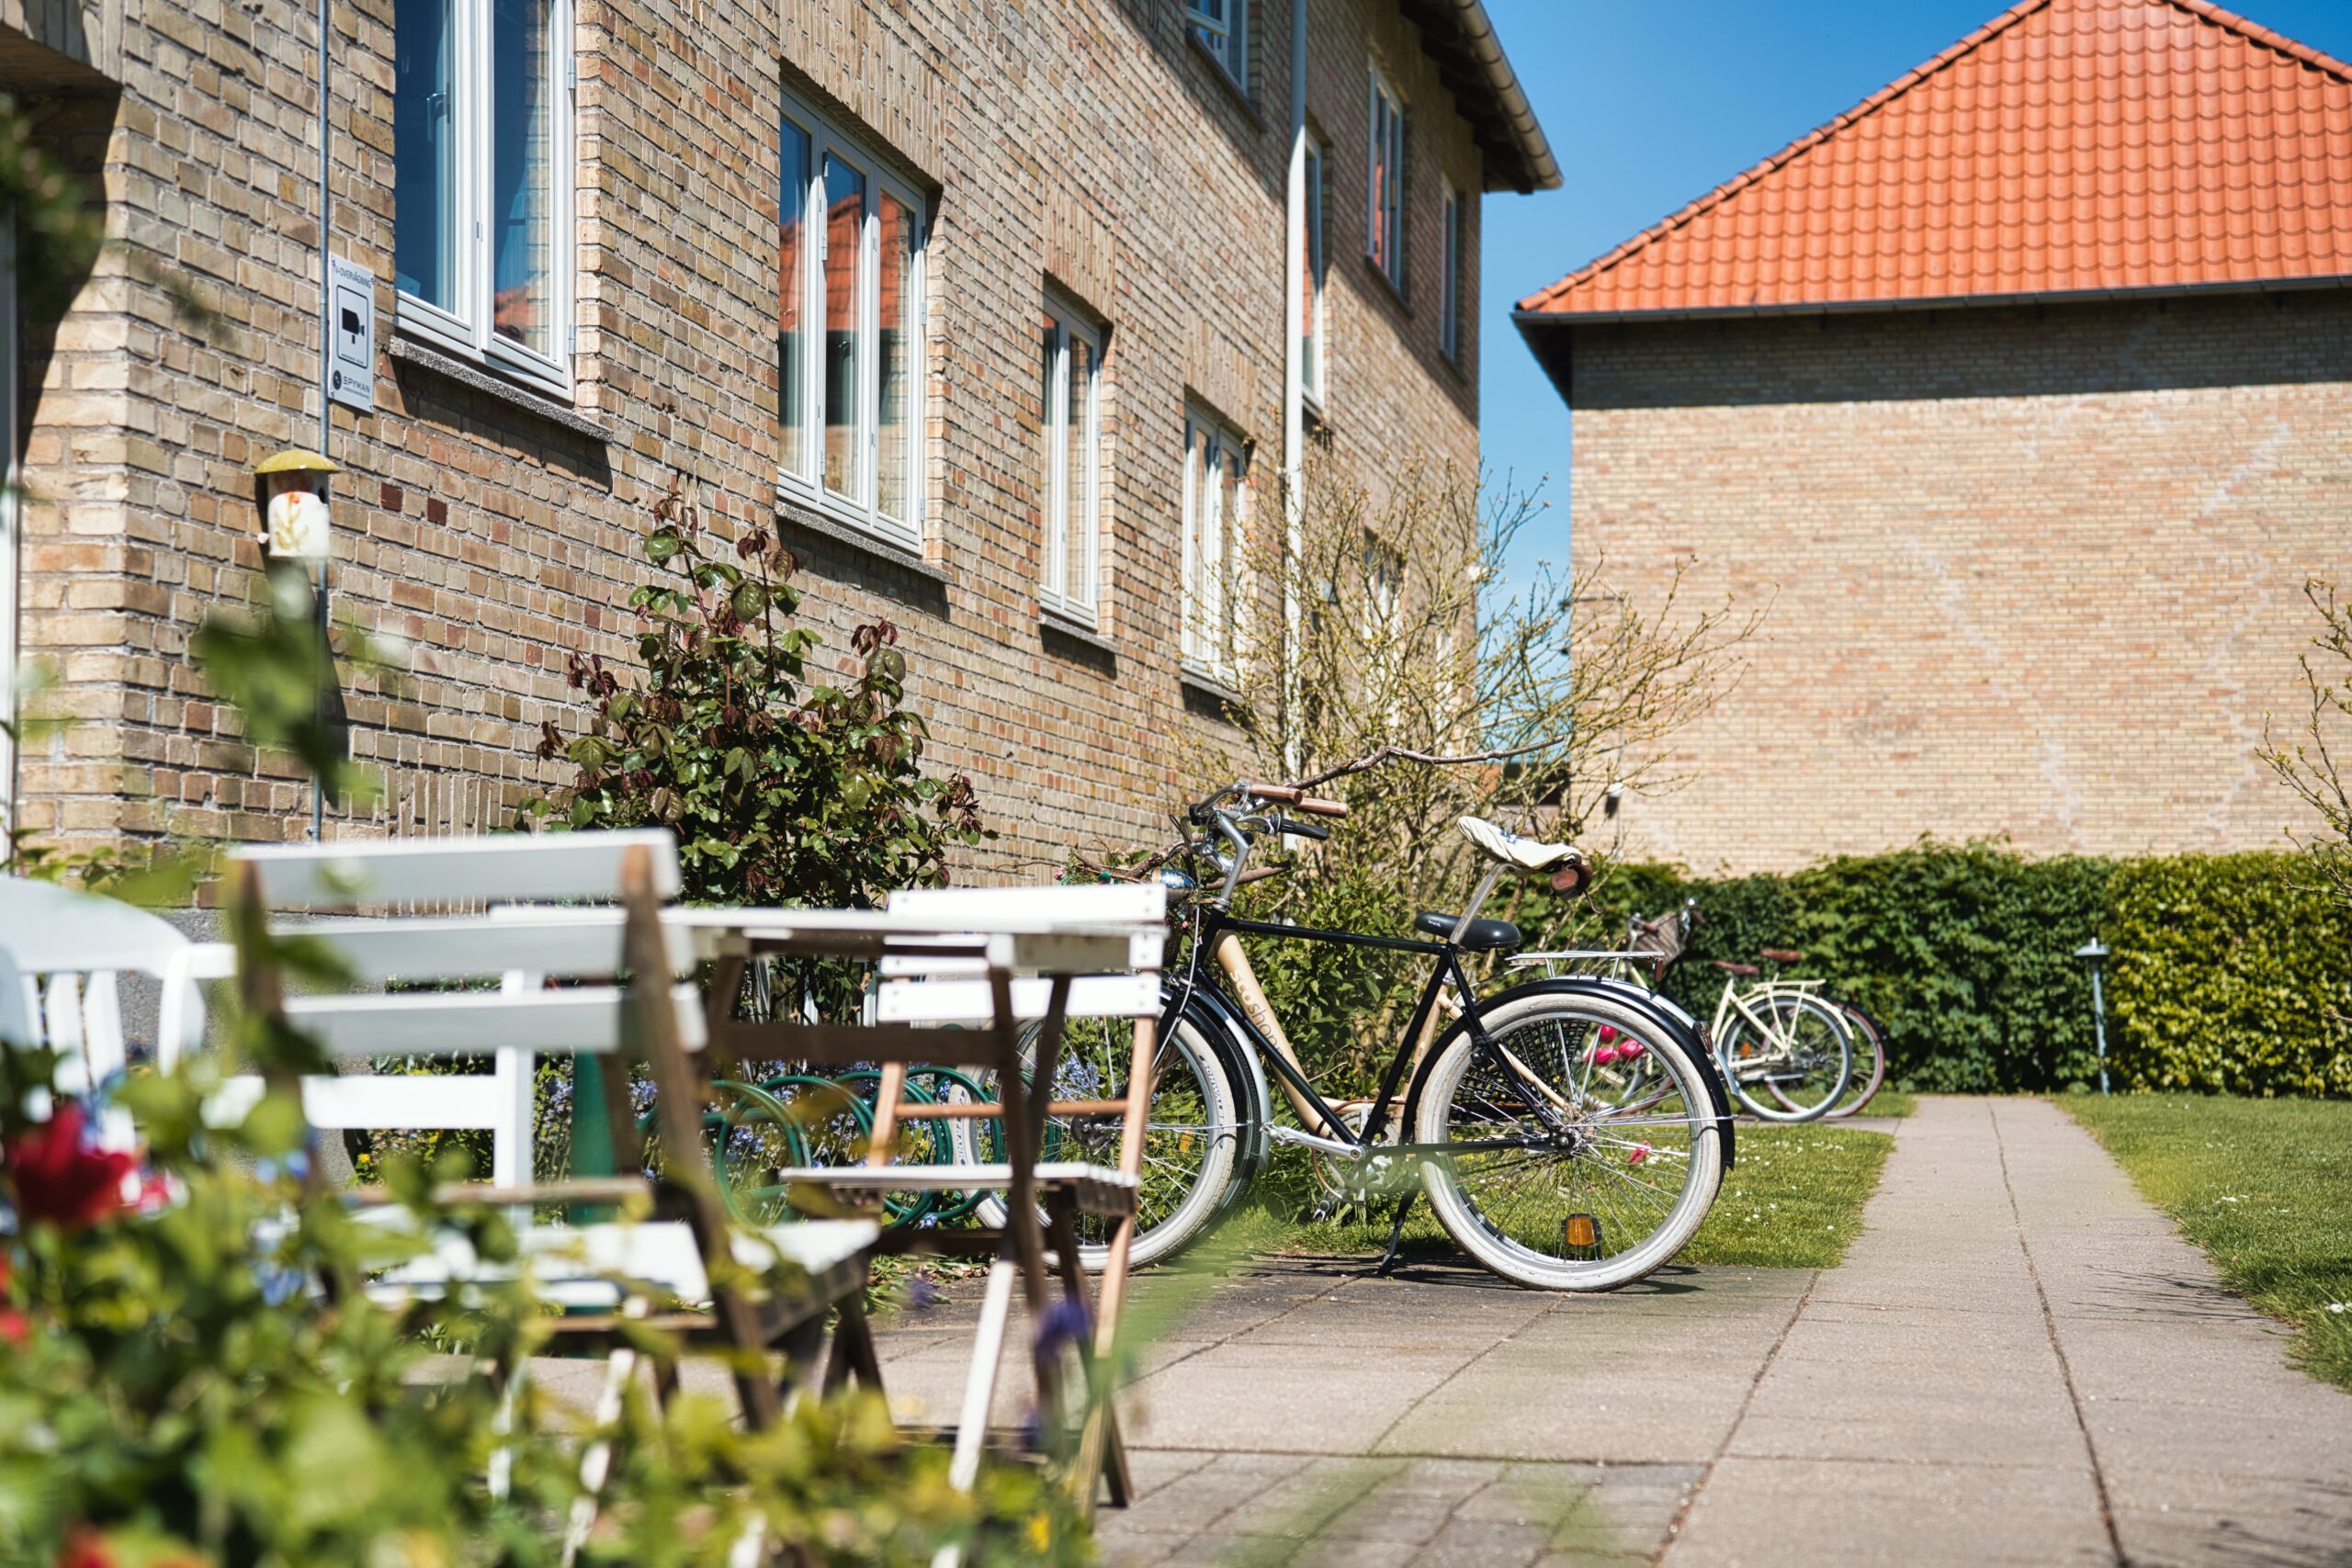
(2022,394)
(986,305)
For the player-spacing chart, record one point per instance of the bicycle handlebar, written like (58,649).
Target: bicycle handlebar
(1296,799)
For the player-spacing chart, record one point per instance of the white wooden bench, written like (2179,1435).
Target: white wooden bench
(600,1022)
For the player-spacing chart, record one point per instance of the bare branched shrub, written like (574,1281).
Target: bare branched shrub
(2308,764)
(1389,629)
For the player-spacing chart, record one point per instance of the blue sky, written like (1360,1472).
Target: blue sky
(1651,103)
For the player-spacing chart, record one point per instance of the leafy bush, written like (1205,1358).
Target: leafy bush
(780,788)
(196,1379)
(2232,974)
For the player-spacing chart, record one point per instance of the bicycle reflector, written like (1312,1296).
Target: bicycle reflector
(1581,1232)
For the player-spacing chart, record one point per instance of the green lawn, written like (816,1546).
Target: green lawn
(1890,1103)
(2263,1186)
(1795,1202)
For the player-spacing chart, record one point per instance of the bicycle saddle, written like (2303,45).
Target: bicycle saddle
(1728,967)
(1483,935)
(1531,855)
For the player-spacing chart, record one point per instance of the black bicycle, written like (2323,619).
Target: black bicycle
(1568,1132)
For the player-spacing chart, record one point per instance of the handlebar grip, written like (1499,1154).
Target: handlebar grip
(1280,794)
(1299,830)
(1315,805)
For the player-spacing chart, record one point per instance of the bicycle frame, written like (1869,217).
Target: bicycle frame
(1218,936)
(1767,1033)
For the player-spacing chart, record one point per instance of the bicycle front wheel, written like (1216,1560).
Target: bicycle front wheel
(1869,1073)
(1583,1145)
(1795,1068)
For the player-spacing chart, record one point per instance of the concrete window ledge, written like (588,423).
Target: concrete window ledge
(1071,630)
(791,513)
(1198,684)
(410,352)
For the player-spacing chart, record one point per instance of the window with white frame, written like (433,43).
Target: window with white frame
(1071,485)
(1385,188)
(849,330)
(1312,345)
(1216,470)
(1223,28)
(482,181)
(1449,287)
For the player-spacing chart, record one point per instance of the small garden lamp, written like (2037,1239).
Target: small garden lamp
(290,495)
(2094,952)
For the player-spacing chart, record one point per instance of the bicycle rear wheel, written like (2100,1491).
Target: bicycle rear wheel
(1585,1150)
(1797,1071)
(1192,1131)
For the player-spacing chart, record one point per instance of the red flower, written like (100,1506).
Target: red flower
(82,1549)
(60,1182)
(14,1329)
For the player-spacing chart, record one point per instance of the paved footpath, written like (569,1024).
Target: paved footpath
(2019,1363)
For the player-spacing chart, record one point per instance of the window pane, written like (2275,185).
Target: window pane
(792,299)
(1049,508)
(424,151)
(1310,290)
(1450,282)
(845,232)
(521,175)
(1077,490)
(894,313)
(1200,583)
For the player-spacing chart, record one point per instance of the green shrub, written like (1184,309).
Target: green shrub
(2232,973)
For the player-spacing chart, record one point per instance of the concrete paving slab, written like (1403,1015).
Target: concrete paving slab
(2019,1363)
(1777,1513)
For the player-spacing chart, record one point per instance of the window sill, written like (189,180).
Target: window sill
(792,512)
(1396,290)
(1058,624)
(1203,683)
(492,385)
(1240,93)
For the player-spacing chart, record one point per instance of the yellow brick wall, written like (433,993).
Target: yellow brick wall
(2034,574)
(1089,142)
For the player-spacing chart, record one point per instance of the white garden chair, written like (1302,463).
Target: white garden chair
(603,1026)
(64,955)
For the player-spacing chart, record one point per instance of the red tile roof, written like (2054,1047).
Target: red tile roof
(2066,146)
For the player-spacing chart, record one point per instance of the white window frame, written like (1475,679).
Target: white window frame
(467,331)
(1072,589)
(1449,304)
(1385,122)
(1225,39)
(863,509)
(1215,537)
(1315,362)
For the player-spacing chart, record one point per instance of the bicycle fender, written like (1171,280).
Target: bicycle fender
(1236,1042)
(1661,1011)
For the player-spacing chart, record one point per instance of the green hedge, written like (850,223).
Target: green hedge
(2230,973)
(2234,974)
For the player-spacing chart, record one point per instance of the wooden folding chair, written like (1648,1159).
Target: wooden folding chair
(1003,959)
(605,1026)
